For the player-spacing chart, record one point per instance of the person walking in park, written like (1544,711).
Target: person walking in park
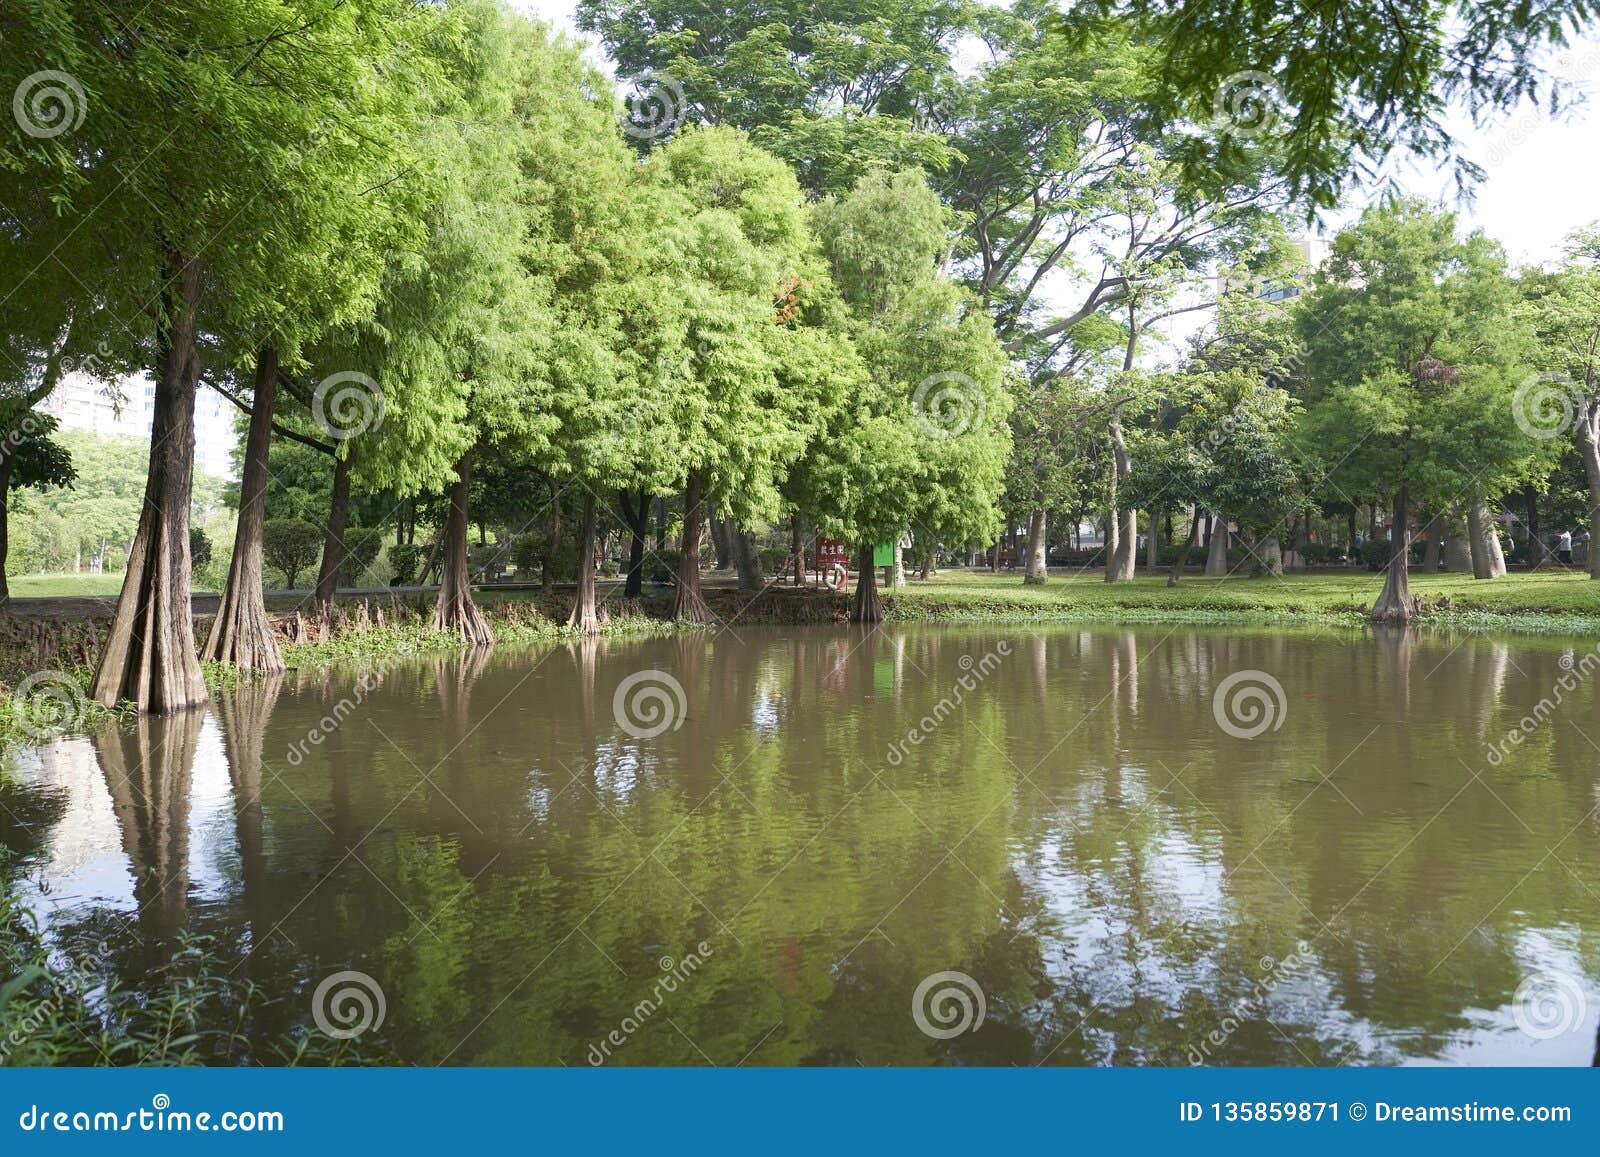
(1564,548)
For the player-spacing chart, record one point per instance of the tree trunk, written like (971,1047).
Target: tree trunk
(638,521)
(584,618)
(1152,543)
(455,610)
(722,546)
(1536,556)
(797,554)
(1491,538)
(661,525)
(1269,557)
(1124,540)
(1038,570)
(1394,604)
(1478,543)
(1589,445)
(1188,545)
(867,608)
(7,461)
(1217,552)
(690,605)
(899,577)
(746,558)
(927,567)
(333,553)
(149,655)
(242,634)
(1432,542)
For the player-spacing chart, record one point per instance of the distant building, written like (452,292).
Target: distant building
(1315,251)
(82,403)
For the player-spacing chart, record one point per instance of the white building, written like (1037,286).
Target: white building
(127,407)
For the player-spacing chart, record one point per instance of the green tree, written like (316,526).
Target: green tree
(1409,332)
(922,441)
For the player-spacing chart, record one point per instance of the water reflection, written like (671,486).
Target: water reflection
(1068,826)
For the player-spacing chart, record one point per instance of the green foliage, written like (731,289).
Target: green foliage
(361,547)
(405,559)
(199,548)
(290,546)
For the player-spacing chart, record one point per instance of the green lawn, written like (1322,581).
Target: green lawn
(961,594)
(40,586)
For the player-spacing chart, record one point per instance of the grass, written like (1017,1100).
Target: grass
(63,586)
(1546,601)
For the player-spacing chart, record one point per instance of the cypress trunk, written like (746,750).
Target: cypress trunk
(797,553)
(242,634)
(333,553)
(1394,604)
(866,608)
(1038,571)
(745,557)
(690,605)
(455,610)
(584,618)
(638,520)
(149,655)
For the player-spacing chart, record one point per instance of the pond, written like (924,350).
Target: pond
(1002,846)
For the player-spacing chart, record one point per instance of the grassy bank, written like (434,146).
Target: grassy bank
(1547,602)
(369,630)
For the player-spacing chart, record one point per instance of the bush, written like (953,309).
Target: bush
(774,557)
(610,568)
(361,547)
(199,548)
(665,566)
(405,559)
(291,545)
(533,552)
(1317,553)
(1375,555)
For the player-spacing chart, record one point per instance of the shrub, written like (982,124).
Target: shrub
(290,545)
(361,547)
(533,552)
(610,568)
(199,548)
(1317,553)
(1375,554)
(773,558)
(405,559)
(664,566)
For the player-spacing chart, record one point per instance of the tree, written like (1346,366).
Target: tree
(290,545)
(1408,330)
(270,93)
(1564,308)
(921,442)
(834,89)
(755,372)
(1347,82)
(29,459)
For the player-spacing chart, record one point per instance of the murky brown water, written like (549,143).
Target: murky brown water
(829,819)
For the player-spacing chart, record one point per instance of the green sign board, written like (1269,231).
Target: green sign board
(883,554)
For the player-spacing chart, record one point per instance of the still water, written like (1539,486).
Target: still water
(820,846)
